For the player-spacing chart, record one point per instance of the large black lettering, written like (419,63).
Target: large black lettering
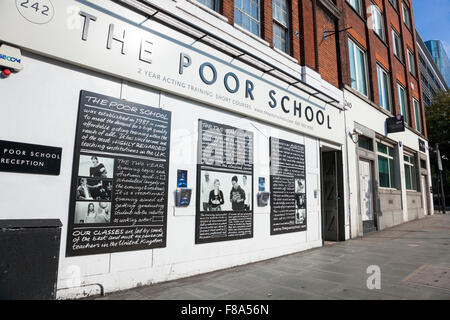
(272,103)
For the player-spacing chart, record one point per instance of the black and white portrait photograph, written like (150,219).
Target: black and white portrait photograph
(300,201)
(222,191)
(300,185)
(96,167)
(92,212)
(94,189)
(300,216)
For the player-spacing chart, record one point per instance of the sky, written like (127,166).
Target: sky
(432,20)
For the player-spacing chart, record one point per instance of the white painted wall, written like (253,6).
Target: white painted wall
(40,105)
(366,115)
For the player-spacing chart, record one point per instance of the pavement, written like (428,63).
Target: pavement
(413,260)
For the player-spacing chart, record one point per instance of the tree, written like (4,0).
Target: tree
(438,125)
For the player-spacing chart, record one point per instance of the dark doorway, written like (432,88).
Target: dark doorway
(333,225)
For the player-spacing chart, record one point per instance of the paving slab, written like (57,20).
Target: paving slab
(414,261)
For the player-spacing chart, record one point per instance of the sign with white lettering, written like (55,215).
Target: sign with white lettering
(225,188)
(120,177)
(29,158)
(152,54)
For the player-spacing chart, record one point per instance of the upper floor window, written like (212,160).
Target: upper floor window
(280,25)
(356,4)
(386,171)
(247,15)
(394,3)
(406,17)
(212,4)
(411,63)
(410,172)
(377,21)
(402,103)
(358,67)
(397,45)
(417,115)
(383,88)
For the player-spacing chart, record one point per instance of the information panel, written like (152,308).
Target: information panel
(287,187)
(225,183)
(118,199)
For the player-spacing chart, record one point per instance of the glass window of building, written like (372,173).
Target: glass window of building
(386,171)
(394,3)
(358,67)
(356,4)
(411,63)
(246,15)
(212,4)
(406,18)
(397,45)
(377,21)
(402,103)
(365,143)
(410,172)
(280,25)
(383,89)
(417,115)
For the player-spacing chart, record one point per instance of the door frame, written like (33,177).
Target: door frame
(373,185)
(340,188)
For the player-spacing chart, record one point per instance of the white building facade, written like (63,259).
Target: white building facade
(97,73)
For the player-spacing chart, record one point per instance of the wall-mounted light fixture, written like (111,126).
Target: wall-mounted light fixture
(356,133)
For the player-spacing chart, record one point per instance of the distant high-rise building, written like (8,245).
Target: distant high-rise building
(430,75)
(440,58)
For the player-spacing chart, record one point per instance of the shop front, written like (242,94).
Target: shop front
(176,158)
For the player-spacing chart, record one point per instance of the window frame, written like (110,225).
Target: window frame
(406,115)
(417,115)
(380,69)
(397,46)
(285,27)
(241,10)
(357,67)
(390,159)
(405,8)
(359,2)
(411,60)
(410,167)
(215,3)
(394,4)
(375,8)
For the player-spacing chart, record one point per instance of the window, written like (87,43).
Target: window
(280,25)
(411,63)
(212,4)
(365,143)
(394,4)
(397,45)
(386,172)
(377,21)
(402,103)
(383,89)
(358,73)
(246,15)
(410,172)
(417,115)
(356,4)
(406,18)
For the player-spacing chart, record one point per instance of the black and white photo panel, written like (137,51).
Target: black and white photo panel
(92,212)
(96,167)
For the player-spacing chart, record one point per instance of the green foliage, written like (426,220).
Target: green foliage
(438,122)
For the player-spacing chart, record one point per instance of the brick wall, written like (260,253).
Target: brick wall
(327,48)
(308,20)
